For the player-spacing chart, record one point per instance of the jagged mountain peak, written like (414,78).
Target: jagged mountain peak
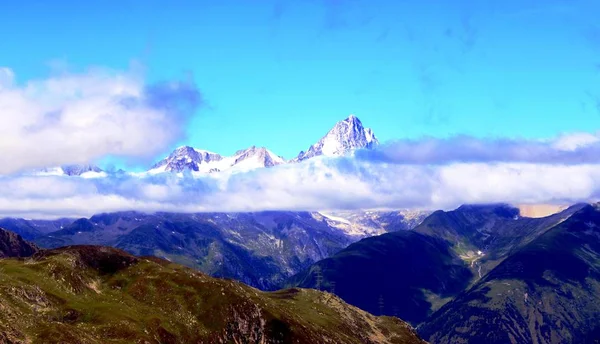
(197,160)
(185,158)
(345,136)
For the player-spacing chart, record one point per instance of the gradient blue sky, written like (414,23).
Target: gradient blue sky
(280,73)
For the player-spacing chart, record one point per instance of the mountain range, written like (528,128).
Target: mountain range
(546,290)
(95,294)
(261,249)
(345,137)
(477,274)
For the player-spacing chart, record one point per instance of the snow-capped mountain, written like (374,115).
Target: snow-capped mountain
(365,223)
(346,136)
(254,157)
(188,158)
(343,138)
(77,170)
(86,171)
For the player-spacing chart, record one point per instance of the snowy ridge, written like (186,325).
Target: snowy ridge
(345,137)
(186,158)
(195,160)
(84,171)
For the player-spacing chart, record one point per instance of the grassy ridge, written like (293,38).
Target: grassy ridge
(91,294)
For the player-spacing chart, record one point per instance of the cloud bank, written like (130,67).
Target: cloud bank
(571,149)
(77,118)
(316,184)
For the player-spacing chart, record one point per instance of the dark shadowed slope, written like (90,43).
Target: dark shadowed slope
(402,274)
(32,229)
(12,245)
(92,294)
(548,291)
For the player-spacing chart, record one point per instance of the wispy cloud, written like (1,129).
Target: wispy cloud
(579,148)
(76,118)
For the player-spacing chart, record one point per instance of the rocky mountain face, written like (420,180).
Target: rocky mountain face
(412,274)
(261,249)
(343,138)
(91,294)
(13,245)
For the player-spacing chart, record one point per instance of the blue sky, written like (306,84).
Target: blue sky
(281,73)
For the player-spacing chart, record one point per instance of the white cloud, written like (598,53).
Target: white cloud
(76,118)
(575,141)
(576,148)
(317,184)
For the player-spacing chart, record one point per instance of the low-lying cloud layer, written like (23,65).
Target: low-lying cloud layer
(579,148)
(317,184)
(77,118)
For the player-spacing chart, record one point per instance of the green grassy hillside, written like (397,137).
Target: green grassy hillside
(92,294)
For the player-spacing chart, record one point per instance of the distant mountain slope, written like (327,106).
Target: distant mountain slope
(400,274)
(13,245)
(31,229)
(413,273)
(343,138)
(261,249)
(484,235)
(547,291)
(90,294)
